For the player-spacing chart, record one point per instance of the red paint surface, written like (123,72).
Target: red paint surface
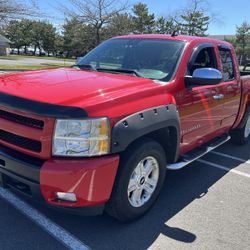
(90,179)
(43,135)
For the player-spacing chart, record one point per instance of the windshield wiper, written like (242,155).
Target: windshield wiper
(84,66)
(90,67)
(125,71)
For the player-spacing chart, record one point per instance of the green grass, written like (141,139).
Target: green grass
(30,67)
(7,58)
(17,57)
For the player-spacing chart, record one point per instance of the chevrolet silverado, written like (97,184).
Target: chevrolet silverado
(100,136)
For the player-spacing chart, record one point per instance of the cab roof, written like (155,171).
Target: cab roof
(177,38)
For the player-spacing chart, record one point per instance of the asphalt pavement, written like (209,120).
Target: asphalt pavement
(203,206)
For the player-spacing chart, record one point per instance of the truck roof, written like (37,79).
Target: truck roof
(177,37)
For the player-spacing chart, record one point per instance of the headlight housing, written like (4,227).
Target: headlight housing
(79,138)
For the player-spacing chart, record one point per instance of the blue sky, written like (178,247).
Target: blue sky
(230,12)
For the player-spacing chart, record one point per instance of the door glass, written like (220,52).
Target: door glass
(204,59)
(227,64)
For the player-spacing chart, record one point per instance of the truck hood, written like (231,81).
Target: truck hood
(98,93)
(71,86)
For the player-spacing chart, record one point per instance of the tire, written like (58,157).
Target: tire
(240,136)
(143,155)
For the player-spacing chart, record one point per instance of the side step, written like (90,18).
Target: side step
(198,153)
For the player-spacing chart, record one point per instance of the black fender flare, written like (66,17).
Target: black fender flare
(144,122)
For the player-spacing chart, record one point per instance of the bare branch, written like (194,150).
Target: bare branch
(93,11)
(11,9)
(96,13)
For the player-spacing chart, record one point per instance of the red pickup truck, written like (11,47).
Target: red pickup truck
(101,135)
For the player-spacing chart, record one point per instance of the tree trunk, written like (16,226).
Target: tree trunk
(34,50)
(97,35)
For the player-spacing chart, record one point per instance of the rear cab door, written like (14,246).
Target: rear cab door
(231,85)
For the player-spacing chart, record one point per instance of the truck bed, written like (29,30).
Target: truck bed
(245,73)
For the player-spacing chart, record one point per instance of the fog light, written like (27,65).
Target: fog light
(66,196)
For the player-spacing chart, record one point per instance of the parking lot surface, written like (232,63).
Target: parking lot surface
(203,206)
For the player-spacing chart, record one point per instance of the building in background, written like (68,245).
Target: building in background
(222,37)
(4,46)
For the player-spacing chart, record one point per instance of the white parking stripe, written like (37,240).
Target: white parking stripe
(230,156)
(45,223)
(224,168)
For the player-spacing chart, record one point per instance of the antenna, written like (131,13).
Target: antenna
(175,33)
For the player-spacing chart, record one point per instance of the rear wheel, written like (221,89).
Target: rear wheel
(139,180)
(241,135)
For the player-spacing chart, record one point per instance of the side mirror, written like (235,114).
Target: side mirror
(204,76)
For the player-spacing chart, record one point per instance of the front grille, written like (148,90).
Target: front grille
(20,141)
(21,119)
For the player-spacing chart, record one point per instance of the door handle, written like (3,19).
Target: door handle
(218,97)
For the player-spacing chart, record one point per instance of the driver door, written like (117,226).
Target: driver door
(200,107)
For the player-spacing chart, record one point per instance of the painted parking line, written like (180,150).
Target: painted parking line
(45,223)
(230,157)
(224,168)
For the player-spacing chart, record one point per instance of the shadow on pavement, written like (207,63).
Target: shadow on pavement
(241,151)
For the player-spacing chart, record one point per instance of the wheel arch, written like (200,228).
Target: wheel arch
(160,123)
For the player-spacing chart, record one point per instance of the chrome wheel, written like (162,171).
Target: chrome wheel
(247,128)
(143,181)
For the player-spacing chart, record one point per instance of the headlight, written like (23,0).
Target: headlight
(88,137)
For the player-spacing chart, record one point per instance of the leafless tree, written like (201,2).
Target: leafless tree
(12,9)
(96,13)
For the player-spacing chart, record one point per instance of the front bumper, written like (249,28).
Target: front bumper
(90,179)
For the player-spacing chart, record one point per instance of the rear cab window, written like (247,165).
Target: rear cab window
(227,64)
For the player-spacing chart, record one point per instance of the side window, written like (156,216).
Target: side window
(205,59)
(227,64)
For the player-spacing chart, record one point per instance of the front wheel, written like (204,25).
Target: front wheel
(241,135)
(139,180)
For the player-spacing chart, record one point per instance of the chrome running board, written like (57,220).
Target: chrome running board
(188,158)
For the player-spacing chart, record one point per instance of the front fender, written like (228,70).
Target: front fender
(142,123)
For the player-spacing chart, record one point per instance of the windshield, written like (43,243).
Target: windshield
(149,58)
